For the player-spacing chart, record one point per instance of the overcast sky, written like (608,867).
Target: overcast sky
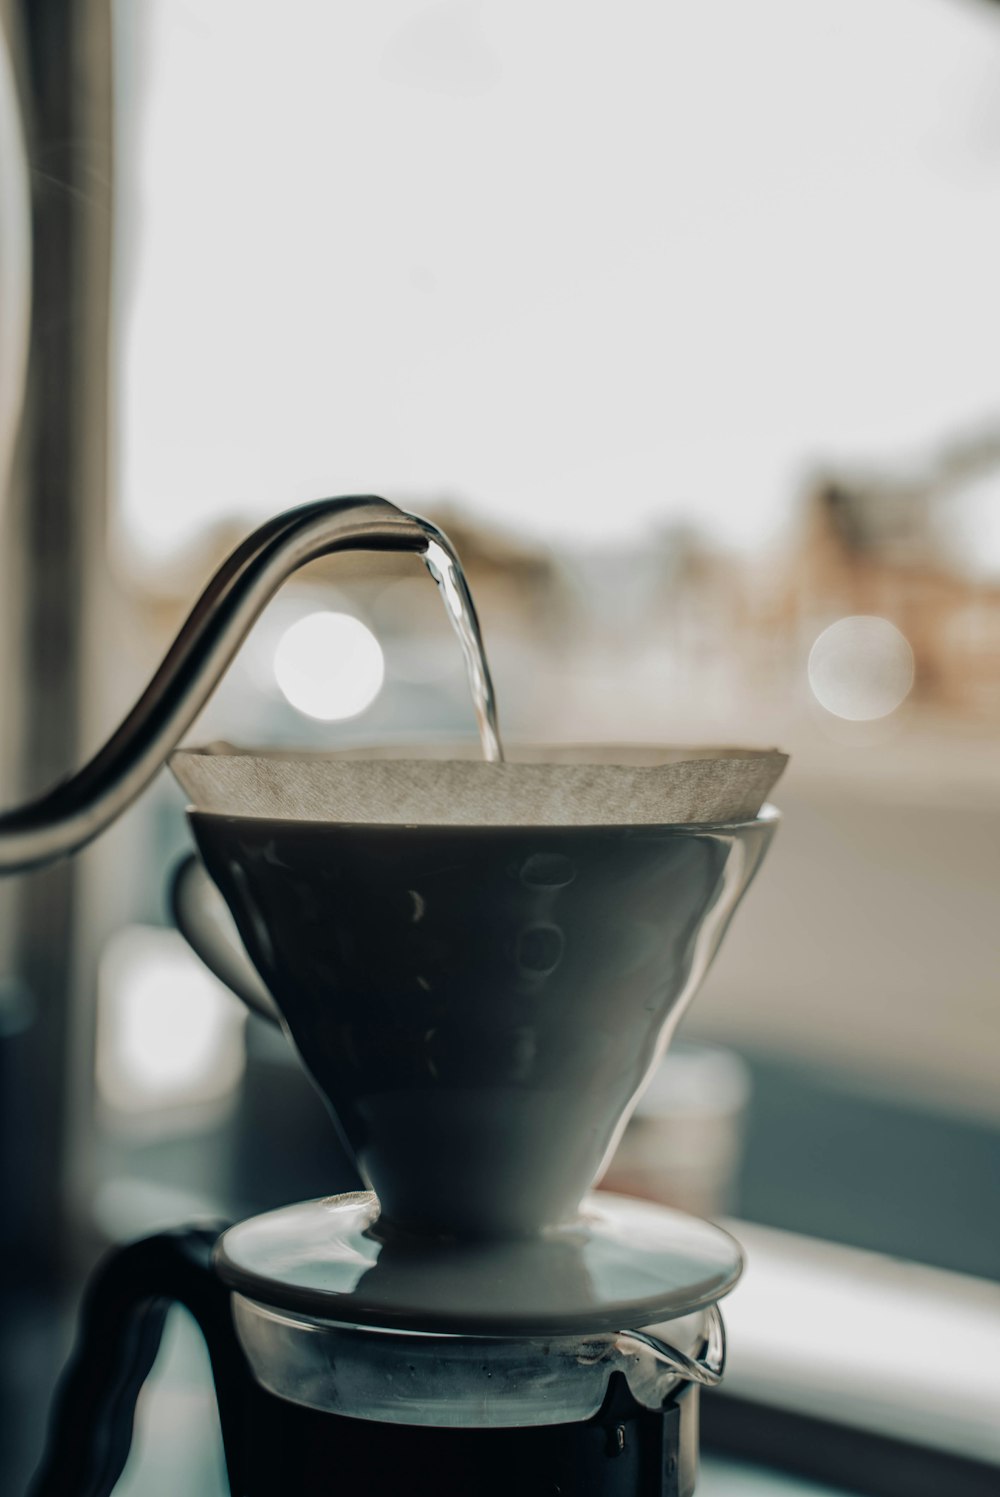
(582,264)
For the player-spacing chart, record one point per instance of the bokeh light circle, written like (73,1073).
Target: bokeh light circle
(329,665)
(861,668)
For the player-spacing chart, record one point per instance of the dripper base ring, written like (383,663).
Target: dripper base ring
(621,1263)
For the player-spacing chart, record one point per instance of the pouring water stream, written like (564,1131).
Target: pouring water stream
(446,569)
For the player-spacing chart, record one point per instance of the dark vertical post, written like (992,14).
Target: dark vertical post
(53,548)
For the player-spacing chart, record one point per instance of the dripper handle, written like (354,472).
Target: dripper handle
(203,919)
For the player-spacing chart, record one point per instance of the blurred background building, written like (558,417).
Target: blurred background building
(682,321)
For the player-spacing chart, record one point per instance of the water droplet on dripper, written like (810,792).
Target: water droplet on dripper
(445,568)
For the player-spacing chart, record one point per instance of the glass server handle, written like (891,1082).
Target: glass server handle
(121,1322)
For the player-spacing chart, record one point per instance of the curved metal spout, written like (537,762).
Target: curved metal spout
(79,808)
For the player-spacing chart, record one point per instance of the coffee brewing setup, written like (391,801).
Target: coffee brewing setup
(479,962)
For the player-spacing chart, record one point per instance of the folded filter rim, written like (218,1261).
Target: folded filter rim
(562,786)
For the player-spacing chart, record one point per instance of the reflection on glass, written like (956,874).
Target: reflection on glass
(169,1036)
(329,665)
(861,668)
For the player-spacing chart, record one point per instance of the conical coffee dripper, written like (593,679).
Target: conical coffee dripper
(479,965)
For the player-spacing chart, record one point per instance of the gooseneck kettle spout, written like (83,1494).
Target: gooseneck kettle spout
(77,809)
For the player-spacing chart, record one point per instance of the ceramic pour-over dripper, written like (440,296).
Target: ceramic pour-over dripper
(479,964)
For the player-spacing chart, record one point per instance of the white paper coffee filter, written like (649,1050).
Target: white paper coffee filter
(591,786)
